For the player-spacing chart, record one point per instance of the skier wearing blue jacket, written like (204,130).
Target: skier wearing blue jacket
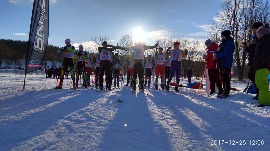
(176,57)
(224,58)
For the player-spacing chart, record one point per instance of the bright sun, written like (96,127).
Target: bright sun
(138,34)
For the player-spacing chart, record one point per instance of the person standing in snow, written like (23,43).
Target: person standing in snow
(79,64)
(167,65)
(68,63)
(224,58)
(189,74)
(176,57)
(96,62)
(148,66)
(105,65)
(138,70)
(87,71)
(262,65)
(250,47)
(160,60)
(213,73)
(129,65)
(116,70)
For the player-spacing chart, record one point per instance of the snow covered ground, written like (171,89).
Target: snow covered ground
(41,118)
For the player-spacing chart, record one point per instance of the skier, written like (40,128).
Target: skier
(79,64)
(96,62)
(129,65)
(148,66)
(160,61)
(138,56)
(167,65)
(108,79)
(116,70)
(105,65)
(68,63)
(87,71)
(176,56)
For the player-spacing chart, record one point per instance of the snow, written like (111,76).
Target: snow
(41,118)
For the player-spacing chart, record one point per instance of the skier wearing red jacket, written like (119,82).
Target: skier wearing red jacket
(213,73)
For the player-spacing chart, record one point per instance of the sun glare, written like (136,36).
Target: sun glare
(138,34)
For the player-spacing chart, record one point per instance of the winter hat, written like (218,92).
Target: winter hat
(257,25)
(263,31)
(208,42)
(226,33)
(67,40)
(176,43)
(104,43)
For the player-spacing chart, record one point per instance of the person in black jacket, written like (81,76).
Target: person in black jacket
(250,49)
(189,74)
(105,66)
(262,65)
(224,58)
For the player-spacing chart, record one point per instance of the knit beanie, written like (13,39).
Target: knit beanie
(226,33)
(257,25)
(263,31)
(208,42)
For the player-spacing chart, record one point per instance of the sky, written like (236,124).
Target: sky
(81,20)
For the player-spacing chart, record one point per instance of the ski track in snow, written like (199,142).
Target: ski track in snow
(39,118)
(79,130)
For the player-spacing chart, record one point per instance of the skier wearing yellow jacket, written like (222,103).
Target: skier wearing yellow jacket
(68,63)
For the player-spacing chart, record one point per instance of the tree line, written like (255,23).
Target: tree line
(14,50)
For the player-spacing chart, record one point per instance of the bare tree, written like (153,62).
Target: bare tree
(237,16)
(99,39)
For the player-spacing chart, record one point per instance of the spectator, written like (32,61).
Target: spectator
(213,73)
(250,49)
(189,74)
(224,59)
(262,65)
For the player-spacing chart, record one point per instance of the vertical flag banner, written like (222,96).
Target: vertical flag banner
(38,36)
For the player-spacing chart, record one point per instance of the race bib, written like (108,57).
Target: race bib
(69,55)
(176,55)
(149,64)
(160,59)
(97,64)
(138,52)
(167,63)
(87,63)
(80,58)
(116,66)
(105,55)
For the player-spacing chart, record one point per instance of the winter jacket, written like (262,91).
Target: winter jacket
(251,50)
(262,53)
(189,73)
(225,54)
(210,62)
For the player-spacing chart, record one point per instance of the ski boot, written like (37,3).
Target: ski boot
(224,95)
(59,86)
(176,88)
(167,88)
(156,86)
(162,86)
(210,94)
